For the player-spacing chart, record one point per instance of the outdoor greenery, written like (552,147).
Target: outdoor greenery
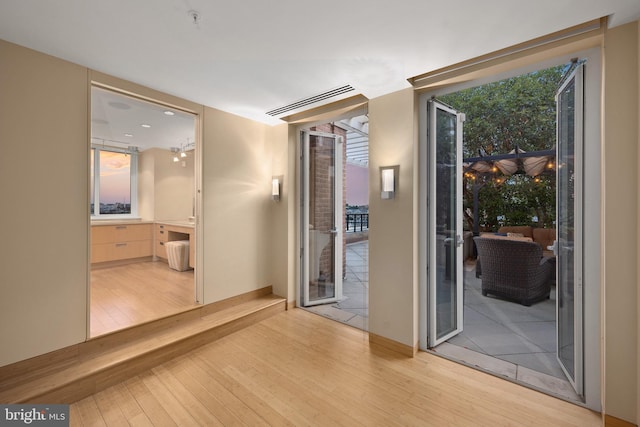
(516,112)
(514,202)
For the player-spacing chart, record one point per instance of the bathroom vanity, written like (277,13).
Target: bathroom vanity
(125,241)
(168,231)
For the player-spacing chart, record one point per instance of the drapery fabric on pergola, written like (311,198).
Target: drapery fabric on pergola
(533,164)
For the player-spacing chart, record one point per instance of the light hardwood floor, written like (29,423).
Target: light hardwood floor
(131,294)
(297,368)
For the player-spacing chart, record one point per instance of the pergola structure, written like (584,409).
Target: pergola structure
(533,163)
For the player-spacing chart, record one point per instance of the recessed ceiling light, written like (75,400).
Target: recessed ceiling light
(145,125)
(169,113)
(128,134)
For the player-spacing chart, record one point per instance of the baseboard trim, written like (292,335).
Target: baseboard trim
(611,421)
(396,346)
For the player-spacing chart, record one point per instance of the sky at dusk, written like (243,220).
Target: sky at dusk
(115,177)
(357,185)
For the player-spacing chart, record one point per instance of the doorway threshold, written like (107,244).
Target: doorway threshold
(522,375)
(330,311)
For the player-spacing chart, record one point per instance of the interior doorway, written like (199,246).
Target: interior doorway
(536,340)
(143,206)
(334,221)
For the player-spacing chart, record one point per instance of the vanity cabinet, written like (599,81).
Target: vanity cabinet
(121,241)
(170,231)
(161,239)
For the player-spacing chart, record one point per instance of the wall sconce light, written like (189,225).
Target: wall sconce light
(275,188)
(388,178)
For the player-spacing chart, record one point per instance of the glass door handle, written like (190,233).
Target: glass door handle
(333,231)
(458,240)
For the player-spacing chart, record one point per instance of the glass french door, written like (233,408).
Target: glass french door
(445,221)
(321,218)
(568,246)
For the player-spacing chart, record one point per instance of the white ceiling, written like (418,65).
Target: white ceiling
(117,121)
(249,57)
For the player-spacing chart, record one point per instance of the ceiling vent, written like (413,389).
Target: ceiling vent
(311,100)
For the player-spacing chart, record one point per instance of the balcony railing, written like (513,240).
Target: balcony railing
(357,221)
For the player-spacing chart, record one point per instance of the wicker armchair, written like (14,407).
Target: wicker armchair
(514,269)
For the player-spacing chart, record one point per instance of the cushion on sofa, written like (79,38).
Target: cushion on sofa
(525,230)
(544,236)
(506,237)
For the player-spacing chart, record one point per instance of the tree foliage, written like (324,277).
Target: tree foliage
(500,116)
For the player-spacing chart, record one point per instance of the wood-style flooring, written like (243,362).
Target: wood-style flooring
(131,294)
(297,368)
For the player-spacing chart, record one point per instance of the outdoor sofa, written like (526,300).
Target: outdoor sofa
(514,268)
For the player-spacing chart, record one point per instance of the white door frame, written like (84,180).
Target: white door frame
(576,380)
(198,291)
(304,241)
(433,105)
(592,259)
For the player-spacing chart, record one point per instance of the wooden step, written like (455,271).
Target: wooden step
(73,373)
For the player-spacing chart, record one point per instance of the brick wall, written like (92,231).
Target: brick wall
(321,183)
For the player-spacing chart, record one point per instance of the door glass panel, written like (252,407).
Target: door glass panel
(446,176)
(322,218)
(566,227)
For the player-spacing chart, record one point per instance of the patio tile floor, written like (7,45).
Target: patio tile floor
(353,308)
(509,339)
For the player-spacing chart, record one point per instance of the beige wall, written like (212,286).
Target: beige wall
(146,185)
(393,232)
(236,205)
(166,189)
(638,259)
(44,192)
(620,203)
(282,223)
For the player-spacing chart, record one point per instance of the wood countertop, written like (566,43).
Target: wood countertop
(105,222)
(101,222)
(177,223)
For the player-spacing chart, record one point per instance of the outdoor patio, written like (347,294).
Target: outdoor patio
(509,339)
(353,309)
